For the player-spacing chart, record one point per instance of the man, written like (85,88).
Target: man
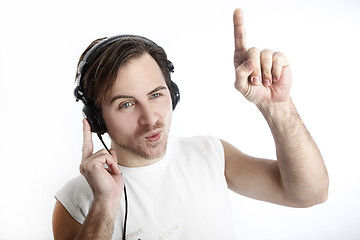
(177,188)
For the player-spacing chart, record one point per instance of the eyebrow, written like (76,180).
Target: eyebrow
(157,89)
(128,96)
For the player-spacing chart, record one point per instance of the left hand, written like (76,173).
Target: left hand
(107,184)
(262,77)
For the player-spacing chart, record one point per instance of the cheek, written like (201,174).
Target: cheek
(167,113)
(120,123)
(165,110)
(113,122)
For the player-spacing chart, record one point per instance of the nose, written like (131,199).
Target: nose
(148,116)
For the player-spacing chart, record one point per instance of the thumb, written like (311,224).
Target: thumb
(242,74)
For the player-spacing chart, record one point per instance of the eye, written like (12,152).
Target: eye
(155,95)
(126,105)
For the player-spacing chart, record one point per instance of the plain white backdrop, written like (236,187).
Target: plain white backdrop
(41,132)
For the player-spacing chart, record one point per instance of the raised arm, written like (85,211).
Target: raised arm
(298,177)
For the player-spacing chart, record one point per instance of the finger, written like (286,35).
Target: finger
(242,74)
(114,166)
(239,38)
(266,60)
(87,148)
(95,161)
(100,159)
(279,62)
(254,54)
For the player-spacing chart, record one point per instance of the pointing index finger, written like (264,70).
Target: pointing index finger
(87,148)
(239,37)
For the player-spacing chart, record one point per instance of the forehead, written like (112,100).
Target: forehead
(138,75)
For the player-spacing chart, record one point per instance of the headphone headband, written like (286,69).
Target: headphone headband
(98,48)
(88,58)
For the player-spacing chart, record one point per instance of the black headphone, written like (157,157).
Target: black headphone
(93,116)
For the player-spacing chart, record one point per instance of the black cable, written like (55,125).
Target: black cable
(125,194)
(102,141)
(126,213)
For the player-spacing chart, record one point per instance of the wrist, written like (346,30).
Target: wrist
(282,117)
(109,207)
(277,109)
(99,223)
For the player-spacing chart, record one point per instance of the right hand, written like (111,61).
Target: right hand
(263,77)
(107,184)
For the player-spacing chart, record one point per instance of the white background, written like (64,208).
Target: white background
(41,133)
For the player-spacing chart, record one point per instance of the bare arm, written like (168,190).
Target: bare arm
(303,173)
(63,224)
(99,224)
(298,177)
(107,185)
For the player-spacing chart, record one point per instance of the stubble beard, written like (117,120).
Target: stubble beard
(142,148)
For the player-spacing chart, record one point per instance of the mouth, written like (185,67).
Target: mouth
(154,136)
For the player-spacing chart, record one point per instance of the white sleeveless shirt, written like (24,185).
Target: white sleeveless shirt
(182,196)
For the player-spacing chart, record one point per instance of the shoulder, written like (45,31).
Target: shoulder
(78,187)
(76,196)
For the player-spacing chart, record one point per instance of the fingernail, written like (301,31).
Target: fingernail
(267,82)
(256,80)
(249,65)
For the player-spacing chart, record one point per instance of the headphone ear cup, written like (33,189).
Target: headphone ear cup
(175,94)
(95,120)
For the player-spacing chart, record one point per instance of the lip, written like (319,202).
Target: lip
(154,136)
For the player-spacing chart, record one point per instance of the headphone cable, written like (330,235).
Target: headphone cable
(125,193)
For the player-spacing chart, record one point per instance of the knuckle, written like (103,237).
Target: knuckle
(257,71)
(279,56)
(266,57)
(267,74)
(104,152)
(253,50)
(101,152)
(240,34)
(267,51)
(83,148)
(266,63)
(86,144)
(82,169)
(241,73)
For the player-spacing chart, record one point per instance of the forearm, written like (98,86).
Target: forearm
(99,224)
(303,173)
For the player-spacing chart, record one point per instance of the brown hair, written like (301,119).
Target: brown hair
(101,74)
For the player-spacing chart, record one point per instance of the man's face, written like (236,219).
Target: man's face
(138,112)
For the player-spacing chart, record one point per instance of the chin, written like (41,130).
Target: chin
(151,151)
(141,148)
(149,144)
